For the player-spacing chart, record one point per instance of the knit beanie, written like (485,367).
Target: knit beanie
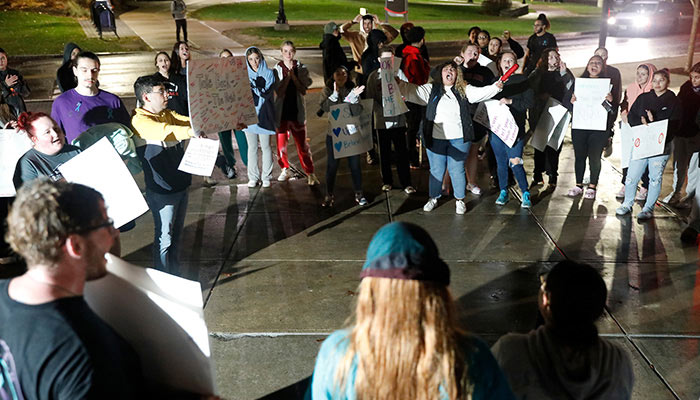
(330,27)
(402,250)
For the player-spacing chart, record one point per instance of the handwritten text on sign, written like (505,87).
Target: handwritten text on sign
(588,108)
(219,94)
(497,117)
(351,128)
(200,157)
(392,103)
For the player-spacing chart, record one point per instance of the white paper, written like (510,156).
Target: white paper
(219,94)
(626,141)
(161,317)
(200,157)
(392,102)
(588,107)
(13,145)
(488,63)
(548,123)
(557,138)
(101,168)
(500,120)
(649,140)
(345,128)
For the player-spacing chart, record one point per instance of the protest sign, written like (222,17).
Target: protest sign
(589,112)
(219,94)
(551,126)
(626,144)
(392,102)
(351,132)
(488,63)
(101,168)
(497,118)
(13,145)
(200,157)
(649,140)
(161,317)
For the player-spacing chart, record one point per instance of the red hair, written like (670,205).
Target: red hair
(26,119)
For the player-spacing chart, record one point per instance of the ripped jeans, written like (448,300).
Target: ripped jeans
(634,174)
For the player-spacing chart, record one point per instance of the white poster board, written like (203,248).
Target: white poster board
(200,157)
(588,107)
(351,134)
(219,94)
(550,128)
(497,118)
(392,102)
(101,168)
(13,145)
(626,144)
(161,317)
(649,140)
(488,63)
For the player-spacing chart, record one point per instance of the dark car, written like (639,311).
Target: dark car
(646,17)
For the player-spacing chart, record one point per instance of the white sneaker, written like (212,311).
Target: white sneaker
(430,205)
(409,190)
(284,175)
(474,189)
(460,207)
(266,184)
(252,184)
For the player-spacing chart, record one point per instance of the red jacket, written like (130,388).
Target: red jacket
(416,68)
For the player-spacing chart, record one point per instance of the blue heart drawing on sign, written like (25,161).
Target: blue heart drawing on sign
(336,131)
(338,146)
(335,113)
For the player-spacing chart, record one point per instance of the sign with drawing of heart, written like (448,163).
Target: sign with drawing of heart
(351,128)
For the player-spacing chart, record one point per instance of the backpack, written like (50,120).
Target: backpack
(9,382)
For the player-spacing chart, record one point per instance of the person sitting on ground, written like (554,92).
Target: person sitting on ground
(565,358)
(64,76)
(358,40)
(404,341)
(13,88)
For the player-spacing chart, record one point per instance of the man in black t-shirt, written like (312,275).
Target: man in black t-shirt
(61,348)
(537,43)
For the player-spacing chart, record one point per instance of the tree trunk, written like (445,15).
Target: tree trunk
(693,32)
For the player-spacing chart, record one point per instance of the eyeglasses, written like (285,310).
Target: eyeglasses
(109,223)
(160,93)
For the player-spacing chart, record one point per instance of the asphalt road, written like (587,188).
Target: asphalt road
(119,71)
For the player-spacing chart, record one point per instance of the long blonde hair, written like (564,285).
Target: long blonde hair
(406,341)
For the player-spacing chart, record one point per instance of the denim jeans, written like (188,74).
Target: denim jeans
(332,169)
(169,212)
(503,155)
(634,173)
(450,155)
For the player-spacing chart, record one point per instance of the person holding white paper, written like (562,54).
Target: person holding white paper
(551,79)
(158,133)
(589,143)
(518,96)
(656,105)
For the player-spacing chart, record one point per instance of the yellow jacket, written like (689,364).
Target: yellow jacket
(166,126)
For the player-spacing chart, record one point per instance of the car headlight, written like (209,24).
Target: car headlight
(612,20)
(641,22)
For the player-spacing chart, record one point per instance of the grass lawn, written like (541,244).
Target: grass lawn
(30,33)
(310,35)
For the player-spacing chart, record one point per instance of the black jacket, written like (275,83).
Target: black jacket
(667,106)
(64,76)
(431,110)
(690,104)
(333,55)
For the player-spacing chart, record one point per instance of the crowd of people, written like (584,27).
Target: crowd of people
(404,341)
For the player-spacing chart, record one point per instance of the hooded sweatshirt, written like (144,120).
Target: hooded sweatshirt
(262,84)
(64,76)
(634,90)
(538,367)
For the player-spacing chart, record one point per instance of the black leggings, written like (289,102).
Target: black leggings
(547,161)
(588,144)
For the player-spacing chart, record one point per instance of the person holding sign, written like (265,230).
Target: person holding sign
(291,112)
(656,105)
(262,84)
(341,89)
(551,79)
(158,135)
(589,143)
(447,138)
(517,95)
(390,129)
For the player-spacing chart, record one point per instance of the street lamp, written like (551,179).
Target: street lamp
(281,23)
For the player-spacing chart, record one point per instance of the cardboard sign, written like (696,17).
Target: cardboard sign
(497,118)
(219,94)
(161,317)
(588,107)
(351,132)
(101,168)
(13,145)
(551,126)
(200,157)
(392,102)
